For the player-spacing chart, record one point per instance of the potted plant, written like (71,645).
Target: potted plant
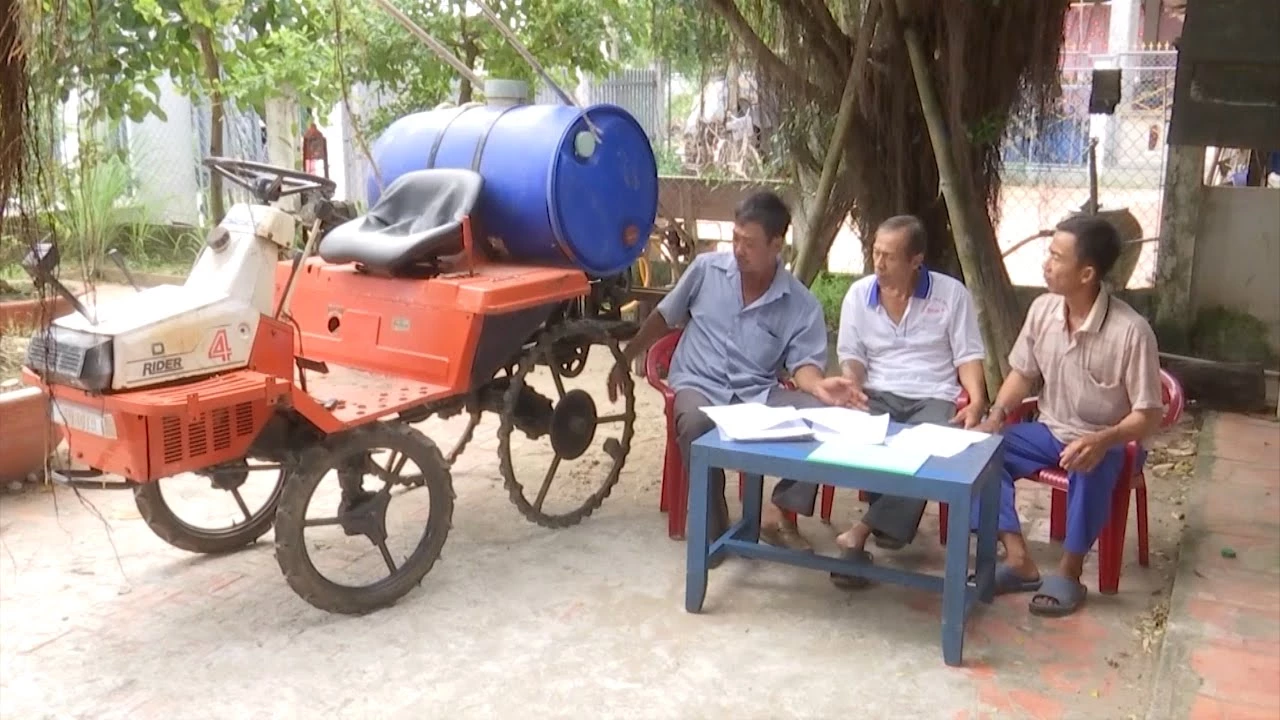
(28,434)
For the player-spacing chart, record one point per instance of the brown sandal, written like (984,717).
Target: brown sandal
(785,536)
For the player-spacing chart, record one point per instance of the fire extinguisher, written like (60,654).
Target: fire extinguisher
(315,150)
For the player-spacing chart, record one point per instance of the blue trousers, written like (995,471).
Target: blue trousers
(1029,448)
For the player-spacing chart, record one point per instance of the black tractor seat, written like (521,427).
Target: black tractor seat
(416,221)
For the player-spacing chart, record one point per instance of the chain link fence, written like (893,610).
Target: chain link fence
(244,137)
(1046,172)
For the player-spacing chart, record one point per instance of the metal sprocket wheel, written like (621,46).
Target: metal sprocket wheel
(473,419)
(616,448)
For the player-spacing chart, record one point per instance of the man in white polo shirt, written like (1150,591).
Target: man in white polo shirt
(909,340)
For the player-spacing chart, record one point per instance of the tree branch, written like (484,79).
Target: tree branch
(728,10)
(815,34)
(811,254)
(829,29)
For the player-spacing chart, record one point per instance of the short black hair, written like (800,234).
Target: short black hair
(767,209)
(1097,241)
(917,240)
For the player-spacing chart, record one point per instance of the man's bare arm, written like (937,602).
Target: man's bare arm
(1015,389)
(974,382)
(651,330)
(855,371)
(807,378)
(1137,425)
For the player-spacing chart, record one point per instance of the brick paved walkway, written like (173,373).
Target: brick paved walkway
(1221,657)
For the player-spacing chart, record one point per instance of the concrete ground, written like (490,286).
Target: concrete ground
(1221,655)
(101,619)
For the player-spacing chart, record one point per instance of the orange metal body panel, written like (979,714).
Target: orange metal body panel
(390,344)
(186,426)
(359,397)
(423,330)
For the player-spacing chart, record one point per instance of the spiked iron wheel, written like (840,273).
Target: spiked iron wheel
(166,524)
(572,424)
(473,419)
(572,364)
(362,512)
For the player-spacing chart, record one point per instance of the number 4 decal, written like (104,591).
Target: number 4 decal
(220,348)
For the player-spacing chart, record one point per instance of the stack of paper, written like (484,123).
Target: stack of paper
(847,425)
(870,457)
(939,440)
(851,438)
(757,422)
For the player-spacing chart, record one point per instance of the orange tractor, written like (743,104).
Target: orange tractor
(498,243)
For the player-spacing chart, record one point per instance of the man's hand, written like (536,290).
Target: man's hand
(1084,454)
(841,392)
(614,383)
(970,416)
(994,421)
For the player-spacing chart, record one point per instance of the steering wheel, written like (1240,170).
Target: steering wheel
(267,182)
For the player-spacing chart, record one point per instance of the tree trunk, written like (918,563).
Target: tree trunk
(469,53)
(283,133)
(1179,222)
(984,270)
(812,254)
(213,75)
(813,229)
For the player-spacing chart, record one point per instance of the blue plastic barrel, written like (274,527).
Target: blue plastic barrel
(552,193)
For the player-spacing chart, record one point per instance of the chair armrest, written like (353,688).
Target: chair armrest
(657,380)
(1026,410)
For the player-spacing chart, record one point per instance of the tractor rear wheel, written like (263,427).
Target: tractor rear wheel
(580,475)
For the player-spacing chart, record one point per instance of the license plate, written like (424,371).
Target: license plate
(84,419)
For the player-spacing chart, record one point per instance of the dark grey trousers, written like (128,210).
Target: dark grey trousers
(898,517)
(692,423)
(889,516)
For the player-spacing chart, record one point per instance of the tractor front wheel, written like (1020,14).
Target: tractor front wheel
(371,466)
(245,527)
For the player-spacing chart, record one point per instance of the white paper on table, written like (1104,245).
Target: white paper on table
(938,440)
(847,425)
(756,421)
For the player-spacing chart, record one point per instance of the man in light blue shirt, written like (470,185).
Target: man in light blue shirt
(745,317)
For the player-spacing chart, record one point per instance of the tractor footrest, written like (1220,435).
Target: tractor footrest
(88,480)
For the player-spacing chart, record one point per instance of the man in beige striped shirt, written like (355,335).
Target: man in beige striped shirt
(1101,371)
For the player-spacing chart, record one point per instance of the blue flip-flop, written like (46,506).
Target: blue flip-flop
(1067,596)
(1009,583)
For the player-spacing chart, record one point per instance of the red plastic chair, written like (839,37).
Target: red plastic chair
(1111,541)
(674,496)
(829,492)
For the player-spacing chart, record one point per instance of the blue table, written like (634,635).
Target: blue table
(956,481)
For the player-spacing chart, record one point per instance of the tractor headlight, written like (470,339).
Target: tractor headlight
(61,356)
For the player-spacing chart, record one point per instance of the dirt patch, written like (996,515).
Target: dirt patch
(13,351)
(9,291)
(1169,470)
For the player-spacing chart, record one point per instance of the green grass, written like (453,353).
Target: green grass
(830,289)
(1226,335)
